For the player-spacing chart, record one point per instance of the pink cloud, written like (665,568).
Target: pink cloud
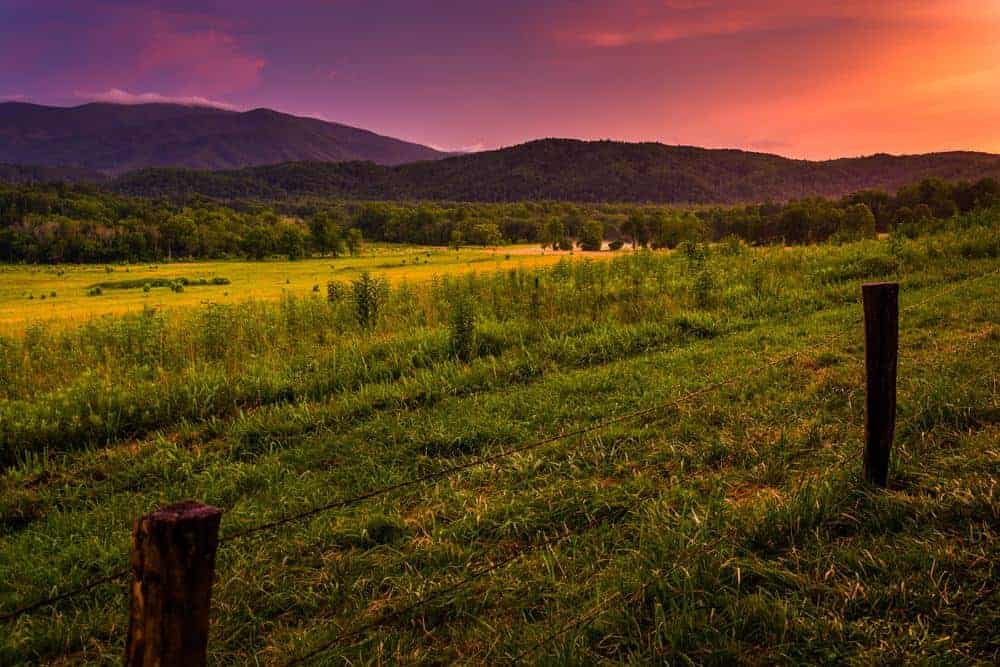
(649,22)
(204,58)
(181,54)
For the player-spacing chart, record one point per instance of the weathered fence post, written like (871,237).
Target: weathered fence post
(173,564)
(881,303)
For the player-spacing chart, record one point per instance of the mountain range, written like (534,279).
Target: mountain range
(180,151)
(570,170)
(114,138)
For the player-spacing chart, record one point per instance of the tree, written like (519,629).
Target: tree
(327,232)
(291,239)
(455,240)
(258,242)
(634,227)
(485,234)
(858,222)
(353,239)
(591,235)
(553,233)
(922,213)
(903,217)
(669,231)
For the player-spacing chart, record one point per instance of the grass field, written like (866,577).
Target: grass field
(725,524)
(59,294)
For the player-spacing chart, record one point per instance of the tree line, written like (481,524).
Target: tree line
(61,223)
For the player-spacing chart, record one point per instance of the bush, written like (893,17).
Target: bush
(703,289)
(367,299)
(462,327)
(731,245)
(617,244)
(334,291)
(591,236)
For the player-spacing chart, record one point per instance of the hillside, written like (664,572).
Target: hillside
(114,139)
(562,169)
(19,173)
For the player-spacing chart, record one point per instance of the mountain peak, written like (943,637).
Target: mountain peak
(113,138)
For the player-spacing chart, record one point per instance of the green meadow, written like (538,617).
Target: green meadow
(704,507)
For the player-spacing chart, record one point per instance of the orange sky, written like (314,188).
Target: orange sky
(807,79)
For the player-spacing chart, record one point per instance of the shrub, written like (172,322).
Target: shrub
(703,288)
(367,299)
(695,253)
(731,245)
(462,327)
(617,244)
(592,235)
(334,291)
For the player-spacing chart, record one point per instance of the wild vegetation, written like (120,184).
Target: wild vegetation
(724,524)
(70,224)
(60,296)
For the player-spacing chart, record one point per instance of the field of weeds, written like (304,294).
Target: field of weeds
(703,505)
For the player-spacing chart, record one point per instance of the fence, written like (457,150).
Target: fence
(173,549)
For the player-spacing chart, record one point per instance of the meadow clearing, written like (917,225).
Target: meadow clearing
(723,522)
(60,294)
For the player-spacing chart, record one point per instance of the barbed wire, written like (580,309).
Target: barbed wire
(475,576)
(21,611)
(485,460)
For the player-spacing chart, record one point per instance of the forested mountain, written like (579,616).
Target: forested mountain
(570,170)
(115,138)
(19,173)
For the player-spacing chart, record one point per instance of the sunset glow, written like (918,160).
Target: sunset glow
(814,80)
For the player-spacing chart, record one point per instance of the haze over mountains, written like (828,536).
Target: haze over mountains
(115,138)
(194,151)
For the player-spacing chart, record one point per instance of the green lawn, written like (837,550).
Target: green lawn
(726,524)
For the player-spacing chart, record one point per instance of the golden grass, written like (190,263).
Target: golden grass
(26,291)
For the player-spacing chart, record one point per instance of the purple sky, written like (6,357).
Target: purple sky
(815,79)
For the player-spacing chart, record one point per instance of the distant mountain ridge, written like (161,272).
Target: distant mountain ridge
(572,170)
(114,138)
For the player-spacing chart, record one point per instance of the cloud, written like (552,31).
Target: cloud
(651,22)
(119,96)
(472,148)
(198,55)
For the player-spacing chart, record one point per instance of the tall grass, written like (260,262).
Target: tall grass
(115,379)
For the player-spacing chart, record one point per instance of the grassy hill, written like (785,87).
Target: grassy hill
(561,169)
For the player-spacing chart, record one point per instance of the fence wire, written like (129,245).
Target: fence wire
(493,458)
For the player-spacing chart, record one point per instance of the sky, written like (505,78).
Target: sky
(811,79)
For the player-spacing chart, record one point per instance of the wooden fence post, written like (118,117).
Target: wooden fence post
(173,564)
(881,303)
